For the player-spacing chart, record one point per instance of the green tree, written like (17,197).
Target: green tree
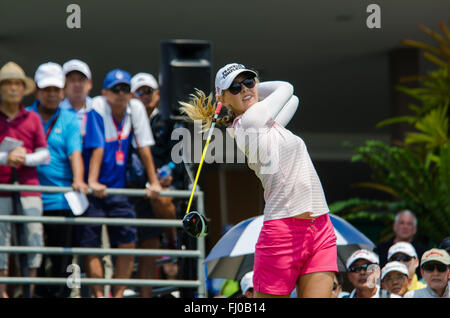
(416,171)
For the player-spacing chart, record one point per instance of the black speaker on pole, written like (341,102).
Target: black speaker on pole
(185,65)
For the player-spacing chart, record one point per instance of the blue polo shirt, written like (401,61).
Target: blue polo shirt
(63,140)
(102,131)
(65,104)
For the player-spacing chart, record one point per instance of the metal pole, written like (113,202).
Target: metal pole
(99,251)
(90,220)
(99,281)
(201,249)
(199,253)
(109,191)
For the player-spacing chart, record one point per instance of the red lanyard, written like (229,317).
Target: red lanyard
(119,133)
(49,130)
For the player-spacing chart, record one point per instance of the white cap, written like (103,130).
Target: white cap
(402,247)
(227,74)
(247,282)
(77,65)
(394,267)
(362,254)
(49,74)
(143,79)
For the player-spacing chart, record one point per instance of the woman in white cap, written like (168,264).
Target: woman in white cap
(297,245)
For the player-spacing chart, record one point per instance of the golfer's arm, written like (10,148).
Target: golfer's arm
(275,95)
(95,164)
(147,161)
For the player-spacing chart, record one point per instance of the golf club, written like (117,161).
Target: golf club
(194,223)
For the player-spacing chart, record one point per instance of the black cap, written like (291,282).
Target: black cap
(194,223)
(445,244)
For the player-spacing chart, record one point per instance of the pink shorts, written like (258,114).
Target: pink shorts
(290,247)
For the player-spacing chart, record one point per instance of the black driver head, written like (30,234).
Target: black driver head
(195,224)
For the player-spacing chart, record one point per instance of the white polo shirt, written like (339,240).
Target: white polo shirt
(279,158)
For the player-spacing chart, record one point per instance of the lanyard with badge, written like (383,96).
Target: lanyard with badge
(52,124)
(120,155)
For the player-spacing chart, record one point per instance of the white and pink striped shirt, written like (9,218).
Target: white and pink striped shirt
(278,157)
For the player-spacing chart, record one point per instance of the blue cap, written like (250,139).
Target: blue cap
(116,76)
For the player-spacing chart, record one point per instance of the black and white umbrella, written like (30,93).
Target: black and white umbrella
(232,256)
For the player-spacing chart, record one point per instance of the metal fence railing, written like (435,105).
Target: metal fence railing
(198,253)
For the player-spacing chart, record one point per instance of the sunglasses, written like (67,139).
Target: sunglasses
(401,258)
(358,268)
(429,268)
(116,89)
(143,91)
(236,87)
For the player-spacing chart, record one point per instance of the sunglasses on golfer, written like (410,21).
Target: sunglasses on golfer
(235,88)
(358,268)
(401,258)
(121,87)
(143,91)
(429,268)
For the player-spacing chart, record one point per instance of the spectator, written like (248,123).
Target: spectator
(18,123)
(145,88)
(62,132)
(445,244)
(247,286)
(105,146)
(405,227)
(337,286)
(435,270)
(405,253)
(78,85)
(394,278)
(363,273)
(169,269)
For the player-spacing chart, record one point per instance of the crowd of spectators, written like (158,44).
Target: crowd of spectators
(66,138)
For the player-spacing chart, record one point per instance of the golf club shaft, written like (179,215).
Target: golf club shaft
(211,129)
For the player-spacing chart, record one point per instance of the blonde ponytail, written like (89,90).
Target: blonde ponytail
(202,108)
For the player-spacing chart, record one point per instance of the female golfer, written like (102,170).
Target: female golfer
(297,245)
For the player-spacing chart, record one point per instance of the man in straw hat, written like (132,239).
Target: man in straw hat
(23,147)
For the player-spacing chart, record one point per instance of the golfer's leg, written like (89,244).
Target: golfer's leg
(315,285)
(123,269)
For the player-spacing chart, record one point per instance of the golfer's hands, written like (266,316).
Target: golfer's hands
(153,190)
(16,157)
(98,189)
